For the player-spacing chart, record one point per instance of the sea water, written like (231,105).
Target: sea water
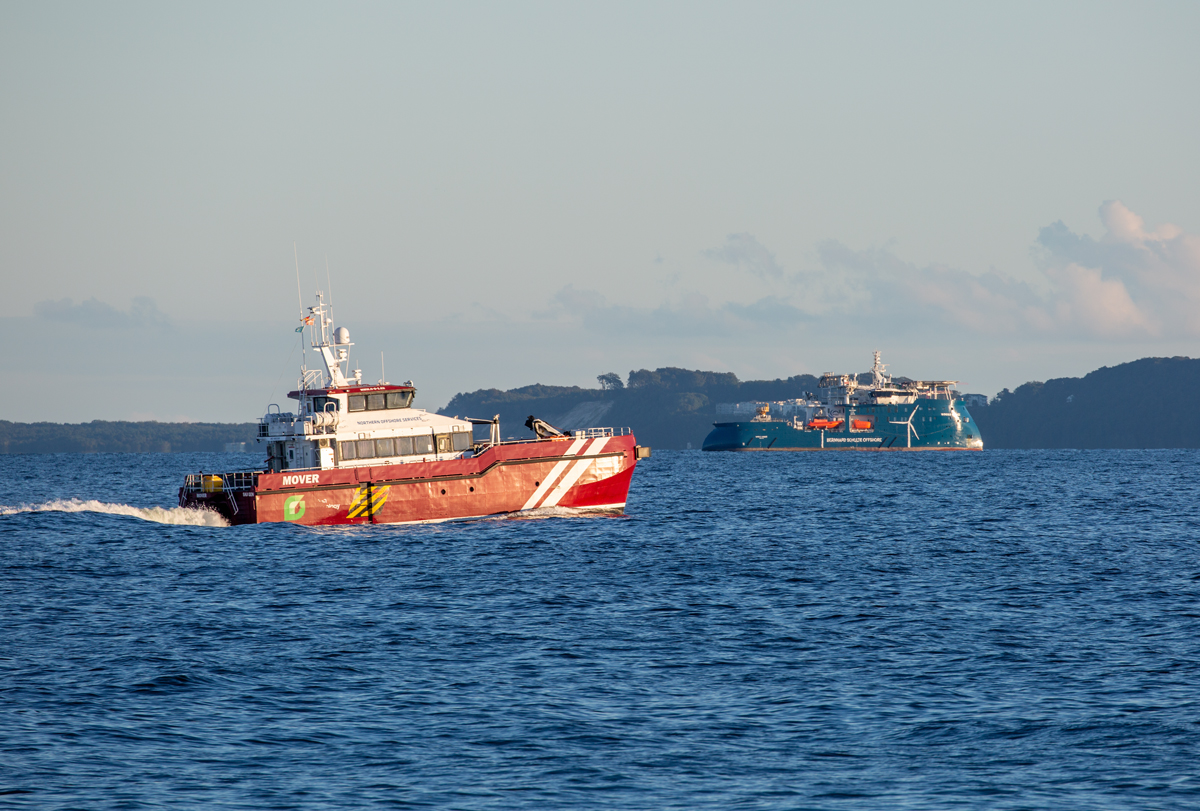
(821,631)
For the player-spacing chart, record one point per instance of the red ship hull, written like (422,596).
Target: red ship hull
(578,473)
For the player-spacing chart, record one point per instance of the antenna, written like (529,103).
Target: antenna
(304,350)
(299,295)
(328,283)
(329,286)
(382,373)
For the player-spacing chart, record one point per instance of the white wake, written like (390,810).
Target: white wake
(560,512)
(159,515)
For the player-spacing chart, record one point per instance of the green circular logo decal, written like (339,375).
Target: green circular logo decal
(293,508)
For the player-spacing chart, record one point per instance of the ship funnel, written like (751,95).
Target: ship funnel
(341,335)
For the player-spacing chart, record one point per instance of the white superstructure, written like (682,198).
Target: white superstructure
(341,423)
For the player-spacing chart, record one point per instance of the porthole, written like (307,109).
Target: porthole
(443,491)
(537,484)
(472,489)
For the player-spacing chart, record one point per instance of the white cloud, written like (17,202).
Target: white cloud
(1125,226)
(746,252)
(1087,301)
(1158,273)
(96,314)
(1132,282)
(690,315)
(1132,289)
(877,283)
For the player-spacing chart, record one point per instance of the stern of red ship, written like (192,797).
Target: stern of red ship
(229,494)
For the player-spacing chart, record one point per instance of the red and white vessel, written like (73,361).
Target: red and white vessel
(355,454)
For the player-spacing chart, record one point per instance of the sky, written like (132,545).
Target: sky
(497,195)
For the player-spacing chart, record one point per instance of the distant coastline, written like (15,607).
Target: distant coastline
(123,437)
(1146,403)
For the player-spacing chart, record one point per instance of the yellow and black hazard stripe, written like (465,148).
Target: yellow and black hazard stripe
(368,501)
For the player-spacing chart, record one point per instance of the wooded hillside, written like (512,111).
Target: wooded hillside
(666,408)
(1147,403)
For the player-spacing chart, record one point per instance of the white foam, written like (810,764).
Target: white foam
(159,515)
(545,512)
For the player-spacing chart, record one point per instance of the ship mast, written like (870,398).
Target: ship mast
(332,344)
(878,378)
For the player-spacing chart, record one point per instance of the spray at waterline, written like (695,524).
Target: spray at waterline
(184,516)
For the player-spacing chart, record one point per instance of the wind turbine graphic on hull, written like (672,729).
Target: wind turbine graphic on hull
(912,432)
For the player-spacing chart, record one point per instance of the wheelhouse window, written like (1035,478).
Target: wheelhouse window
(423,444)
(320,404)
(366,448)
(399,399)
(404,446)
(347,449)
(462,440)
(376,401)
(383,448)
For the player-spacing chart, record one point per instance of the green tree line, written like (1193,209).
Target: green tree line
(666,408)
(121,437)
(1146,403)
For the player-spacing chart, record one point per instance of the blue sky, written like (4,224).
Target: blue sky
(519,193)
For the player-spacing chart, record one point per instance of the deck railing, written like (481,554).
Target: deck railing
(220,482)
(586,433)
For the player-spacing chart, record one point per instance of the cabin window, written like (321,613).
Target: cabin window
(366,449)
(358,402)
(462,440)
(347,449)
(376,402)
(399,399)
(383,448)
(319,403)
(404,446)
(423,444)
(443,443)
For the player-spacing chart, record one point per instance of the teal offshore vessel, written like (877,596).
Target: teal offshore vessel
(892,414)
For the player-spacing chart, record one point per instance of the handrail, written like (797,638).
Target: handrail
(232,481)
(588,433)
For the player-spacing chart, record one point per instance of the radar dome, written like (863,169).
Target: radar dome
(341,335)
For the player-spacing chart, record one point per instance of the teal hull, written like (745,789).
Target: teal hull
(937,425)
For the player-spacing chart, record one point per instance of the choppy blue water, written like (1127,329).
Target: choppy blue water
(829,631)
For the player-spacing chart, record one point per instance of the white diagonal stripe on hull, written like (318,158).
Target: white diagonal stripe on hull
(569,480)
(555,472)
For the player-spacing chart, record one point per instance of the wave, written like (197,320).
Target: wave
(159,515)
(555,512)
